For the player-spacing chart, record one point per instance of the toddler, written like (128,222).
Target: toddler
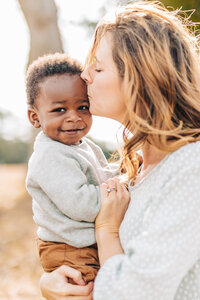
(65,168)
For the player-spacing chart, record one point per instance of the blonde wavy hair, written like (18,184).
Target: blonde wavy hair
(157,56)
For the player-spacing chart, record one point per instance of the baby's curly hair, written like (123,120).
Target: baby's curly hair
(46,66)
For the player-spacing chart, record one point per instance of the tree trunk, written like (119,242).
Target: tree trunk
(41,17)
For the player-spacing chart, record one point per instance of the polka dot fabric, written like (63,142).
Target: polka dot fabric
(160,235)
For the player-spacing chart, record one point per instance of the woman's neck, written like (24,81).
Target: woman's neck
(151,157)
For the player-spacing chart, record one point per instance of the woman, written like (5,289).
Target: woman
(143,71)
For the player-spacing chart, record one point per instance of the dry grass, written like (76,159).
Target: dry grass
(19,265)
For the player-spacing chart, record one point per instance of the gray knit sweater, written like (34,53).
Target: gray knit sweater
(63,182)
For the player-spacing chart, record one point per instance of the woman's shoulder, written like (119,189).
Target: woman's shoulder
(191,147)
(187,155)
(181,164)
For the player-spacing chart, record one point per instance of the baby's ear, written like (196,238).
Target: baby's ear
(33,117)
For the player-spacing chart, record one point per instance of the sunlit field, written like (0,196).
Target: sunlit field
(19,265)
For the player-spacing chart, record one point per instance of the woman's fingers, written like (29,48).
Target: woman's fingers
(72,289)
(89,297)
(112,182)
(114,203)
(77,290)
(55,286)
(71,273)
(108,187)
(115,189)
(123,191)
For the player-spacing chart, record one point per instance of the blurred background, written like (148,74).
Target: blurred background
(31,28)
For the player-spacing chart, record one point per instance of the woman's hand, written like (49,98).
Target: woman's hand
(114,203)
(55,286)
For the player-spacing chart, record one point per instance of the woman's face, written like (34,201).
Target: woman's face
(104,83)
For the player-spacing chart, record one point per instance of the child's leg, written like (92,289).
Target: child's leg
(87,262)
(53,255)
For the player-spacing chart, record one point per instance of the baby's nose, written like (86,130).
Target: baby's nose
(72,116)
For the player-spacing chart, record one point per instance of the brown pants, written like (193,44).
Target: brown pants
(53,255)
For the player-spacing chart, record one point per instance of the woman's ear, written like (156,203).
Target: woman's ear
(33,117)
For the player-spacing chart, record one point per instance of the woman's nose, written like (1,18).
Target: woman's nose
(85,75)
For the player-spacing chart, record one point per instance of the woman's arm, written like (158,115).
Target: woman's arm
(161,255)
(55,286)
(113,207)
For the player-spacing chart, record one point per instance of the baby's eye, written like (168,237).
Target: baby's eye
(98,70)
(84,107)
(59,109)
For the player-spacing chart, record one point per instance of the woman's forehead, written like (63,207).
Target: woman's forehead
(104,47)
(99,40)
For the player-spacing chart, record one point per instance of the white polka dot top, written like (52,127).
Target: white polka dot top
(160,235)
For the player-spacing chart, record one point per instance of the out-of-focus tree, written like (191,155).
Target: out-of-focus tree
(45,37)
(41,17)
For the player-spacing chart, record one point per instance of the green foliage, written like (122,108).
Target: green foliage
(186,5)
(191,5)
(103,145)
(14,151)
(183,4)
(17,151)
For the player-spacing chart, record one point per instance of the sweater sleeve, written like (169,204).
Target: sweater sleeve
(157,260)
(63,181)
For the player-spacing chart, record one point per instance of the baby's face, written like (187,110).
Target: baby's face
(63,108)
